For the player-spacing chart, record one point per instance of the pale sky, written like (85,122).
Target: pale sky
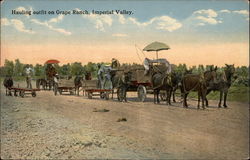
(198,32)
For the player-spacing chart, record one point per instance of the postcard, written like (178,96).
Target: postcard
(142,79)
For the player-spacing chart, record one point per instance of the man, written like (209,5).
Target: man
(29,72)
(99,76)
(56,78)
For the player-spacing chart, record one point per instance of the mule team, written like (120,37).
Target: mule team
(202,83)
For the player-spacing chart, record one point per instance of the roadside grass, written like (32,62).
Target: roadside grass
(235,93)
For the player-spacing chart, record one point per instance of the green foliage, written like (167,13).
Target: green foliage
(76,69)
(65,69)
(39,70)
(235,93)
(18,68)
(9,67)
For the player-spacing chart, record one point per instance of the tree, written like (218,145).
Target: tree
(65,69)
(201,68)
(76,68)
(39,70)
(9,67)
(91,68)
(18,68)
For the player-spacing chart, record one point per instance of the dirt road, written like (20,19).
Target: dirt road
(70,127)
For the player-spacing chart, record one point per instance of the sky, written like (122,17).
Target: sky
(198,32)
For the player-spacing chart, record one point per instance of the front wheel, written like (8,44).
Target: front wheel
(33,94)
(141,93)
(90,95)
(21,94)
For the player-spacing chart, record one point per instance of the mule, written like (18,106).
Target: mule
(176,78)
(121,82)
(199,83)
(161,81)
(8,83)
(222,84)
(78,81)
(41,82)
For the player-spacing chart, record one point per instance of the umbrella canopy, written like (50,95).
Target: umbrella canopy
(156,46)
(52,61)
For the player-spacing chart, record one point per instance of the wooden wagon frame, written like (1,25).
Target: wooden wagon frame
(65,85)
(23,91)
(90,89)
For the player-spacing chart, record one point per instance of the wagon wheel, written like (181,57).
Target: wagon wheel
(71,92)
(107,96)
(141,93)
(33,94)
(21,93)
(60,91)
(102,95)
(90,94)
(15,93)
(163,96)
(120,94)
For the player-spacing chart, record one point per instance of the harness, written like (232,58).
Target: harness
(201,81)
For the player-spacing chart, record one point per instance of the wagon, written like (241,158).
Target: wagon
(23,91)
(65,85)
(140,81)
(90,89)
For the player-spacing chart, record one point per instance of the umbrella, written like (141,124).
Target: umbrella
(51,61)
(156,46)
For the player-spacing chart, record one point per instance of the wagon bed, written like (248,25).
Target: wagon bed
(23,91)
(90,88)
(65,86)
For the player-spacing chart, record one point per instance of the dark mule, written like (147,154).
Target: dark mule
(199,83)
(41,82)
(223,84)
(88,76)
(8,83)
(121,82)
(78,83)
(176,78)
(161,81)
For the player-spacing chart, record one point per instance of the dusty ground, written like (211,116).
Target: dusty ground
(65,127)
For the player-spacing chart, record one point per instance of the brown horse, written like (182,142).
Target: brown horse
(222,84)
(199,83)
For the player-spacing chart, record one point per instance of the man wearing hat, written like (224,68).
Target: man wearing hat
(29,72)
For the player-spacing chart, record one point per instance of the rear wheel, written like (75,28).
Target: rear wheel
(33,94)
(106,96)
(102,95)
(141,93)
(15,93)
(90,95)
(21,94)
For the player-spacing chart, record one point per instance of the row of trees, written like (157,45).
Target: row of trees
(16,68)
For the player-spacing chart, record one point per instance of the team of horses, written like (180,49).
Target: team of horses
(202,83)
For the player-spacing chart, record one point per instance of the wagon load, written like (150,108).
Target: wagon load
(90,84)
(65,85)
